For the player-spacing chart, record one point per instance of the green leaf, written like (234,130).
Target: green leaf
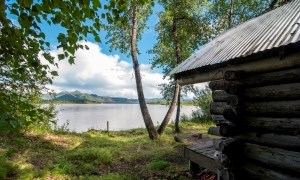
(71,60)
(14,123)
(97,39)
(26,3)
(15,12)
(54,73)
(42,35)
(61,56)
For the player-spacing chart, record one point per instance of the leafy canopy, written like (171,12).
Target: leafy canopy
(22,74)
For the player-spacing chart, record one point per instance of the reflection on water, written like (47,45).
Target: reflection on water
(82,117)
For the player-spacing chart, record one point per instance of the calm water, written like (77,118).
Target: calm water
(82,117)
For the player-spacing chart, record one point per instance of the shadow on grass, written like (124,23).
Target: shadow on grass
(91,155)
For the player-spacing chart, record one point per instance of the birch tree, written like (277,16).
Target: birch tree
(128,20)
(182,28)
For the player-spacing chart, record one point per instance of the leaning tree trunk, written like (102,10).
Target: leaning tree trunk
(178,60)
(177,129)
(167,118)
(146,116)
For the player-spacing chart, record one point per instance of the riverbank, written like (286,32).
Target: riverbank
(97,154)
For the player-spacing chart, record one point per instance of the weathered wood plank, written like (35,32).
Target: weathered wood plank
(284,159)
(271,124)
(259,66)
(273,108)
(219,96)
(207,161)
(274,92)
(271,139)
(254,171)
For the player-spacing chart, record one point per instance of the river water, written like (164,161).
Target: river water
(82,117)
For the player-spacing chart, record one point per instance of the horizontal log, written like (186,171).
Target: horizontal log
(254,171)
(230,87)
(214,131)
(231,114)
(233,100)
(273,108)
(274,157)
(218,119)
(218,85)
(274,92)
(228,129)
(276,77)
(257,66)
(234,87)
(234,75)
(218,107)
(271,124)
(271,139)
(226,145)
(219,96)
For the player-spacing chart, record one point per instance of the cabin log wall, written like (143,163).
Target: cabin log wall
(261,111)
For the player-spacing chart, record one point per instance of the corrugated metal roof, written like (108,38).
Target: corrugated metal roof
(276,28)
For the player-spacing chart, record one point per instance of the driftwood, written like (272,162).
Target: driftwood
(219,96)
(273,108)
(276,157)
(272,124)
(254,171)
(272,78)
(218,107)
(274,92)
(271,139)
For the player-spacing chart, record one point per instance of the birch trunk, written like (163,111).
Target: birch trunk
(153,134)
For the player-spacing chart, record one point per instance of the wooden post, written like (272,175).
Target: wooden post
(107,126)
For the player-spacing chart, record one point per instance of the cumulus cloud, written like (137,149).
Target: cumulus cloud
(102,74)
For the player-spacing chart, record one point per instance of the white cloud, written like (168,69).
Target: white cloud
(107,75)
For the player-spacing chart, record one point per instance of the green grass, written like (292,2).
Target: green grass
(95,155)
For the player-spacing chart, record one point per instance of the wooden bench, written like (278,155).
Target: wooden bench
(202,155)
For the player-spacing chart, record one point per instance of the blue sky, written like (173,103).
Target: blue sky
(106,73)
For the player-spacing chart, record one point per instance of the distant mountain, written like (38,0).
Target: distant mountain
(84,98)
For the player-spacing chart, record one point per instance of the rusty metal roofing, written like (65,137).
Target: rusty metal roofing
(276,28)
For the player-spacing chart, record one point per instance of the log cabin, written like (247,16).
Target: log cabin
(253,70)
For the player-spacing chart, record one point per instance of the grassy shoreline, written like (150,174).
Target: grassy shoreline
(96,154)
